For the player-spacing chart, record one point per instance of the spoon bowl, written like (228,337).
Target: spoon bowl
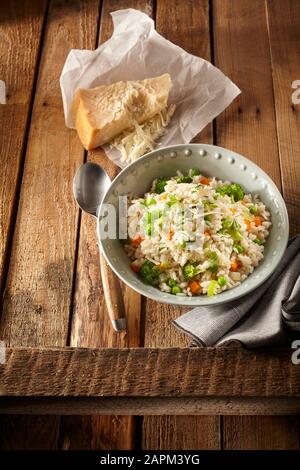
(89,186)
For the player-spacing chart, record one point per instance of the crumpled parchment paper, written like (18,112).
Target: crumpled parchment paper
(136,51)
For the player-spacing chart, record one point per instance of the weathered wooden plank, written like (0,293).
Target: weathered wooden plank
(38,292)
(284,27)
(261,432)
(249,127)
(189,372)
(91,326)
(28,432)
(20,36)
(181,432)
(150,406)
(185,24)
(37,296)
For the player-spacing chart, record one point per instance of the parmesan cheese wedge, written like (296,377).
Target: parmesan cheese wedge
(102,113)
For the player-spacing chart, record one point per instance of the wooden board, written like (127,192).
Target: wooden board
(37,298)
(20,38)
(91,326)
(142,406)
(188,28)
(284,20)
(28,432)
(261,433)
(242,51)
(38,292)
(136,372)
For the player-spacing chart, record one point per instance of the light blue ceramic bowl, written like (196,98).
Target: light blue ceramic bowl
(212,161)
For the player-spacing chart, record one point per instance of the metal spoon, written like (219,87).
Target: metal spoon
(89,186)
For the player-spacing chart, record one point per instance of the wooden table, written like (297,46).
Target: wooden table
(52,295)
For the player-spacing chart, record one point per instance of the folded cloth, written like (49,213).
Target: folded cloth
(263,317)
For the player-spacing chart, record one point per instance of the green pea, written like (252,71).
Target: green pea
(222,281)
(176,290)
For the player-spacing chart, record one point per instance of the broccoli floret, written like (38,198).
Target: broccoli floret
(212,255)
(235,191)
(190,271)
(184,179)
(232,227)
(194,172)
(160,185)
(149,272)
(171,282)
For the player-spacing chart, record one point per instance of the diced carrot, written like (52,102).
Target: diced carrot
(163,196)
(205,181)
(137,241)
(195,287)
(170,234)
(235,264)
(257,220)
(135,267)
(248,223)
(243,202)
(207,233)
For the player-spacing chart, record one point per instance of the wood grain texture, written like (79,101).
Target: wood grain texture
(188,372)
(149,406)
(91,326)
(181,432)
(20,39)
(37,298)
(248,126)
(187,25)
(38,292)
(28,432)
(261,433)
(284,29)
(20,36)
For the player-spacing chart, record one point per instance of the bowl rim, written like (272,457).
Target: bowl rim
(211,301)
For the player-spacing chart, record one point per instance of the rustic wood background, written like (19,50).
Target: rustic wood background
(49,263)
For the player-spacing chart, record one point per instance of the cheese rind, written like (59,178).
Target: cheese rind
(102,113)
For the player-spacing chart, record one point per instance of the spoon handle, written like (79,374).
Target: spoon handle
(113,296)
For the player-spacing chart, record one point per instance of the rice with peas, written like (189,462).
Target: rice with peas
(194,235)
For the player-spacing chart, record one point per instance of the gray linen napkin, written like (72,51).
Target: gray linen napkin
(263,317)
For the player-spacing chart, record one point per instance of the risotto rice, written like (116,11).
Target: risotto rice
(195,235)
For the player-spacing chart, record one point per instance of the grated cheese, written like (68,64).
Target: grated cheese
(135,143)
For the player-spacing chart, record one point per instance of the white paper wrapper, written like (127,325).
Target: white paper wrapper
(135,52)
(2,92)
